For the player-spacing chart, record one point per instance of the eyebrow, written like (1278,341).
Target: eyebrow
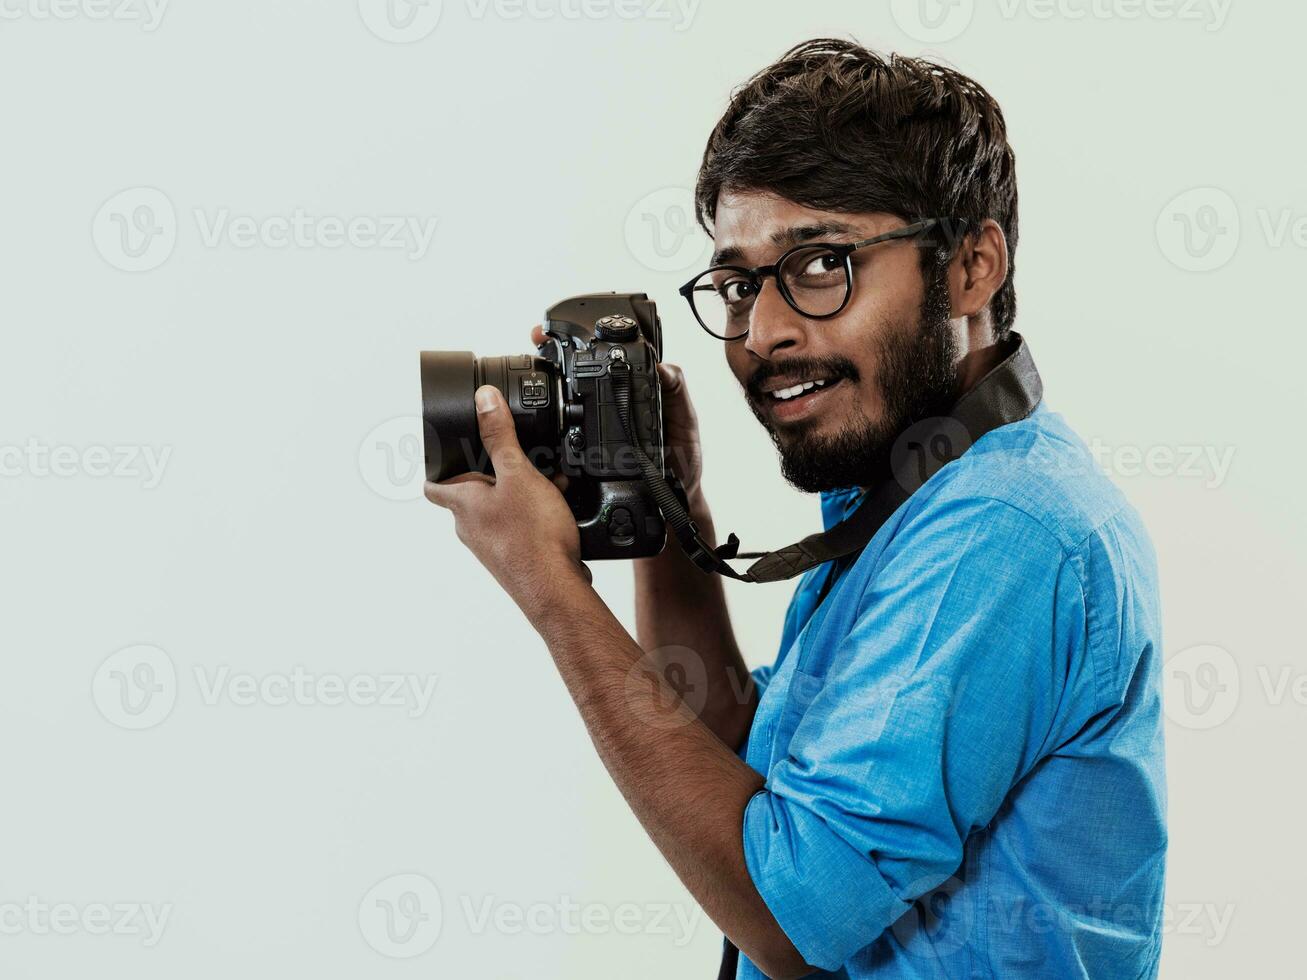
(786,238)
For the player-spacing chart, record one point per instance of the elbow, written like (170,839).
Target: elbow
(782,962)
(784,972)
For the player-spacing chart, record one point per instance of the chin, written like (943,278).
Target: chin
(833,422)
(833,453)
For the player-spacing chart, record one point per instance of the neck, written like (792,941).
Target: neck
(978,361)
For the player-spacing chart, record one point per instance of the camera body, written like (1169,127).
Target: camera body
(565,406)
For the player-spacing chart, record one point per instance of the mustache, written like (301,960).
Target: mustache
(833,367)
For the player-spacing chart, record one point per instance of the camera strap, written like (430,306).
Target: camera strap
(1008,393)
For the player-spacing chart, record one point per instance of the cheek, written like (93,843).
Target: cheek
(882,307)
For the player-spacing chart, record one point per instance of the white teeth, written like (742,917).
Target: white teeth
(785,393)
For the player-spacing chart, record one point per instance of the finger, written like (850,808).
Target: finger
(468,478)
(561,481)
(497,433)
(677,407)
(448,494)
(671,376)
(455,490)
(537,335)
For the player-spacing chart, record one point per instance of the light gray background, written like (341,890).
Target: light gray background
(553,145)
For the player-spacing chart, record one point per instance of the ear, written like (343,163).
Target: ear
(978,270)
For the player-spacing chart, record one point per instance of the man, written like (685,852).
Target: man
(955,767)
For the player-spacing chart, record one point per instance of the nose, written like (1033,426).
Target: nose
(773,324)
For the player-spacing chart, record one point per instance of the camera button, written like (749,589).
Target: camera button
(621,529)
(616,328)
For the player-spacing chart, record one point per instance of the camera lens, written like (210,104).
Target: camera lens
(450,436)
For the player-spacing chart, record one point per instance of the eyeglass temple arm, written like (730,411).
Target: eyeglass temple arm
(907,231)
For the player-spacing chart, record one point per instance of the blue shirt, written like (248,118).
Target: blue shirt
(962,744)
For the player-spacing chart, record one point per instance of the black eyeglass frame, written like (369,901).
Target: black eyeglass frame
(843,249)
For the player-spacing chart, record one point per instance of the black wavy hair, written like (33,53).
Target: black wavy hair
(835,126)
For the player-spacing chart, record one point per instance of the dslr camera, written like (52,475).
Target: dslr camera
(586,405)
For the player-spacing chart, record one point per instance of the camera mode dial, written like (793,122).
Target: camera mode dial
(617,327)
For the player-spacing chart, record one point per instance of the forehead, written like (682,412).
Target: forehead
(755,226)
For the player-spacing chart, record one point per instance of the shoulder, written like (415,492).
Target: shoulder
(1037,467)
(1033,498)
(1027,510)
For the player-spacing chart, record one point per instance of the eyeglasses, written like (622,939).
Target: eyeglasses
(815,279)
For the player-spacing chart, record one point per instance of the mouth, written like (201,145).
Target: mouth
(799,400)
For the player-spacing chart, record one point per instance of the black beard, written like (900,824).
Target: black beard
(918,380)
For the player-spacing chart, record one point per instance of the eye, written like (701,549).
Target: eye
(820,266)
(736,291)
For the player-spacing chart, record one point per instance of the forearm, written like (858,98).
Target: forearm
(686,787)
(677,605)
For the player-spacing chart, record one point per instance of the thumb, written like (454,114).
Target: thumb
(495,422)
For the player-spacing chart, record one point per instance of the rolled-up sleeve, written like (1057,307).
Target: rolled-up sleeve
(942,695)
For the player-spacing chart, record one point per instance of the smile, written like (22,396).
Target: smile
(785,394)
(799,401)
